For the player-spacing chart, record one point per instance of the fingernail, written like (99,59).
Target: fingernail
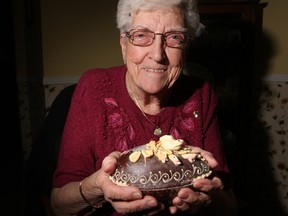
(136,195)
(151,203)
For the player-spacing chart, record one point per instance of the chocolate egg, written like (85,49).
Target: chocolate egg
(161,168)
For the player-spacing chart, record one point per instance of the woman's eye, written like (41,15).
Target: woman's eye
(176,37)
(140,35)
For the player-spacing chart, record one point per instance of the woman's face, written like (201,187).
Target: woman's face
(154,67)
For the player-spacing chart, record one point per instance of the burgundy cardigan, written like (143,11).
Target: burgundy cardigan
(103,118)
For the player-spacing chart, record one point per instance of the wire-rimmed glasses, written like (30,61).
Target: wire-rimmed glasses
(144,37)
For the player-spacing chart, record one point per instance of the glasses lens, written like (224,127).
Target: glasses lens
(145,38)
(176,39)
(141,37)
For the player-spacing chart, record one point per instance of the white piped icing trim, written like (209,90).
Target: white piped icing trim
(123,178)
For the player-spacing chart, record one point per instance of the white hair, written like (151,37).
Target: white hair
(126,8)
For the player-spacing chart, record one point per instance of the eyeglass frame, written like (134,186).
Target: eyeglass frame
(185,42)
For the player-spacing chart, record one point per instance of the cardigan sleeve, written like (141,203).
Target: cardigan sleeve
(76,140)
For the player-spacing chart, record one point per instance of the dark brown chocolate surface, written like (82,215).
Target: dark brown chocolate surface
(159,179)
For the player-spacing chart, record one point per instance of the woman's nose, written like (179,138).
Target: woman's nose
(157,52)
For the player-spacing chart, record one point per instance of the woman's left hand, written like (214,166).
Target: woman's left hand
(191,200)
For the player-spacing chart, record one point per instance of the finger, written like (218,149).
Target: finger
(110,162)
(208,156)
(186,195)
(203,185)
(184,200)
(207,185)
(145,205)
(190,201)
(193,197)
(185,207)
(124,193)
(173,209)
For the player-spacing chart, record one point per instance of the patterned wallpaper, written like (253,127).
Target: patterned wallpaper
(274,118)
(50,92)
(273,115)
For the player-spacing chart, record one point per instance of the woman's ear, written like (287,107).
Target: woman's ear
(123,43)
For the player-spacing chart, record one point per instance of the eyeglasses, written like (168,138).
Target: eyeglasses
(144,37)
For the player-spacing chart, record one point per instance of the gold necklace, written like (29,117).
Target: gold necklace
(157,130)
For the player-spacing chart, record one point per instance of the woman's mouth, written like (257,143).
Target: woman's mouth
(154,70)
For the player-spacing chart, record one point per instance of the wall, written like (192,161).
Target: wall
(274,24)
(273,101)
(77,36)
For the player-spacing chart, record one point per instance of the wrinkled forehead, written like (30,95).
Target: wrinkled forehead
(159,10)
(167,18)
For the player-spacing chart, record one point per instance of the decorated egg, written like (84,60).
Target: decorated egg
(161,168)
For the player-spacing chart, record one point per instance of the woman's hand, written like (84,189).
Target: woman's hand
(191,200)
(130,200)
(124,199)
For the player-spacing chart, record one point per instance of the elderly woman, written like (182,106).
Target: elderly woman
(118,108)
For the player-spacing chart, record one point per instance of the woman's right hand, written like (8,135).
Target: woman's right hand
(124,199)
(98,188)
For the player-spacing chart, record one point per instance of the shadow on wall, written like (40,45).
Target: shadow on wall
(245,139)
(258,186)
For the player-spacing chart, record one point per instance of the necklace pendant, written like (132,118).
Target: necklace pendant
(157,131)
